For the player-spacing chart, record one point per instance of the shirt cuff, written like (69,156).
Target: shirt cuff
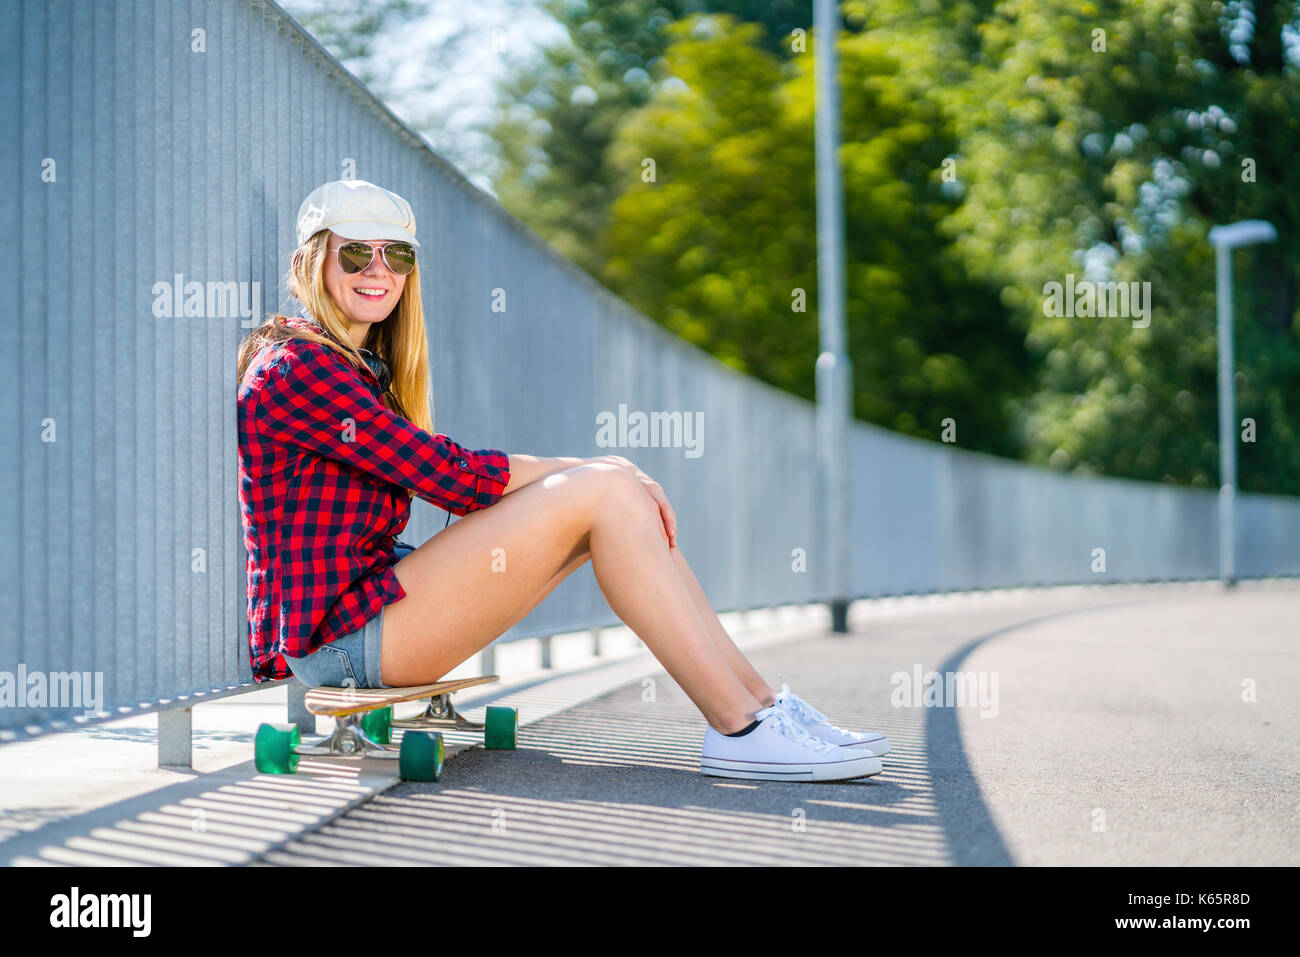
(492,470)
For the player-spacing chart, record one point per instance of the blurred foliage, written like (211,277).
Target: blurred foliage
(718,246)
(558,116)
(1113,164)
(1064,156)
(721,244)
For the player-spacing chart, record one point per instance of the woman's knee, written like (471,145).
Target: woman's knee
(605,489)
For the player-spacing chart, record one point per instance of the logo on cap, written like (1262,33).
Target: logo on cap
(311,219)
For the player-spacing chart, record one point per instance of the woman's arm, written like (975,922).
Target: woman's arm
(526,469)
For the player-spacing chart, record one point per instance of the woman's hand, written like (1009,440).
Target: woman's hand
(655,491)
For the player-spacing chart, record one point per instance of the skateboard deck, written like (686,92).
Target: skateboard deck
(333,702)
(364,723)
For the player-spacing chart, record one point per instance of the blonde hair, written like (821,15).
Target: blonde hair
(399,340)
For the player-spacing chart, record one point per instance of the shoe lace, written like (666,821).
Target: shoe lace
(792,730)
(802,709)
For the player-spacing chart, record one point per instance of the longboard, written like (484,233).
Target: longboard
(364,722)
(339,701)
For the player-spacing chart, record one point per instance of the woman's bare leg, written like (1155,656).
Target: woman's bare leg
(480,576)
(740,665)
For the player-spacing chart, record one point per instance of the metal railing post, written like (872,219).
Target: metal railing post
(297,707)
(175,738)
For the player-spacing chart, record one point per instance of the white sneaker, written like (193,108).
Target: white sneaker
(817,724)
(780,750)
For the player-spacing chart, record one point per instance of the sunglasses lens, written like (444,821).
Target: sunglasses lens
(400,257)
(354,257)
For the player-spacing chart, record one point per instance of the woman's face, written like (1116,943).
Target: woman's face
(365,297)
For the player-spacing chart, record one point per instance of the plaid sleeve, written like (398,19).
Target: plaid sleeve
(313,400)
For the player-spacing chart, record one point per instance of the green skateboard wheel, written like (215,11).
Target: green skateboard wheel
(421,756)
(378,725)
(273,749)
(501,729)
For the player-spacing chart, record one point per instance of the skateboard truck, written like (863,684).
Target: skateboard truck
(348,739)
(440,712)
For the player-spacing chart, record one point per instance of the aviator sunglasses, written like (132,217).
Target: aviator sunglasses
(355,256)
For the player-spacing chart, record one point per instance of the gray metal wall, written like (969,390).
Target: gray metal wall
(122,542)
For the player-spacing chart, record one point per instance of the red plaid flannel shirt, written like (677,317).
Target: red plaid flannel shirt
(322,468)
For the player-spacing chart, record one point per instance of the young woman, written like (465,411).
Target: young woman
(336,434)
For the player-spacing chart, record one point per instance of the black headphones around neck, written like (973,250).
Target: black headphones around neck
(380,368)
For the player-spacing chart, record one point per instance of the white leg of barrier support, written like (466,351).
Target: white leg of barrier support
(546,651)
(595,642)
(174,738)
(298,713)
(488,660)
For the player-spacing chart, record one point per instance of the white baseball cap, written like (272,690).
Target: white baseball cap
(355,209)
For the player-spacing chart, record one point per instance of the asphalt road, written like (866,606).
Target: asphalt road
(1119,731)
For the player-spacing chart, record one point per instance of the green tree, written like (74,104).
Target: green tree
(720,244)
(1103,141)
(559,113)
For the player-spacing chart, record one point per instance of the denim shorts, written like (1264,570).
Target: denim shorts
(348,662)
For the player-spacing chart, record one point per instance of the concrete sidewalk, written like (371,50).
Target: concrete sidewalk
(1120,737)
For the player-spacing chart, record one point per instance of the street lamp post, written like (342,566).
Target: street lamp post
(834,380)
(1225,239)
